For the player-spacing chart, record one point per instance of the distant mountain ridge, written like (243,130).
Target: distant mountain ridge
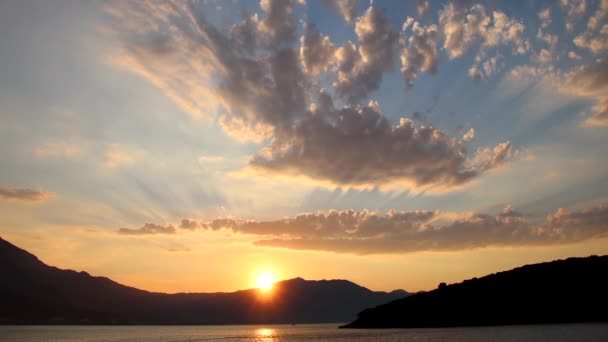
(34,293)
(574,290)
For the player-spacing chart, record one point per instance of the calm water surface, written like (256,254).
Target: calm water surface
(574,332)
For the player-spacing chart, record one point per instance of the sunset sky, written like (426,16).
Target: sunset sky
(191,146)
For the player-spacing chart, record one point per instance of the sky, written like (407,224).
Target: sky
(189,146)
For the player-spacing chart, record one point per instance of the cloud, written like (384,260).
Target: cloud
(210,159)
(237,129)
(116,156)
(588,81)
(365,232)
(591,81)
(359,146)
(179,249)
(264,90)
(420,52)
(470,135)
(545,17)
(316,51)
(451,21)
(463,27)
(423,8)
(487,158)
(600,110)
(376,54)
(578,225)
(544,56)
(189,224)
(550,39)
(204,69)
(594,44)
(573,9)
(346,56)
(279,23)
(595,20)
(24,195)
(148,229)
(486,70)
(574,55)
(347,8)
(59,150)
(330,224)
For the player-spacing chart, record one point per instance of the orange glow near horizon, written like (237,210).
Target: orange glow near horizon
(265,281)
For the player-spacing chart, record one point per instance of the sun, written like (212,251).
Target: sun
(265,281)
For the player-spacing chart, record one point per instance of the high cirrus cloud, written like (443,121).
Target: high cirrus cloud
(24,195)
(364,232)
(263,85)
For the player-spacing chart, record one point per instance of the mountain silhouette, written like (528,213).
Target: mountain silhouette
(34,293)
(563,291)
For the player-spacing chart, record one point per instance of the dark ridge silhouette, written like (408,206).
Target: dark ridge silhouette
(574,290)
(34,293)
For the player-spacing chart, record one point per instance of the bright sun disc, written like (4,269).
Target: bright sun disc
(265,281)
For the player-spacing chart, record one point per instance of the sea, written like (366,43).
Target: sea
(293,333)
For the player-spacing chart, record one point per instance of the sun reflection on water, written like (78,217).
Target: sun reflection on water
(265,335)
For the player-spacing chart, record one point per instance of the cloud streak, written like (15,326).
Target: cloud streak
(148,229)
(24,195)
(365,232)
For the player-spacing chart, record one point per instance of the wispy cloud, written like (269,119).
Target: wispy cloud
(25,195)
(148,229)
(210,159)
(116,156)
(59,149)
